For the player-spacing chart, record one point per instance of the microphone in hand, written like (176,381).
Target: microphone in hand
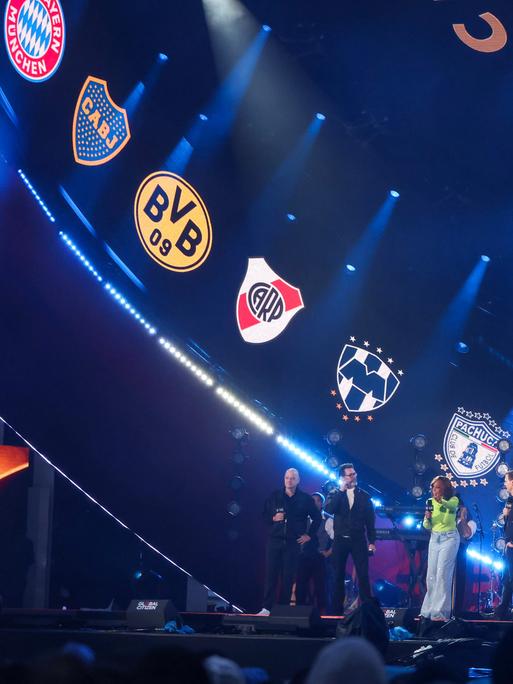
(429,508)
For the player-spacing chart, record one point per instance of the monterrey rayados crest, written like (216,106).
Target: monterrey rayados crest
(470,447)
(266,303)
(100,127)
(365,381)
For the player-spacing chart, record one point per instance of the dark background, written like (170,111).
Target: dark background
(408,106)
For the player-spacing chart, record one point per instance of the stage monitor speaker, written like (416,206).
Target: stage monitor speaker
(303,617)
(401,617)
(151,614)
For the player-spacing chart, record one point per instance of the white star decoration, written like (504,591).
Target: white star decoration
(352,339)
(379,350)
(461,409)
(400,372)
(438,457)
(366,343)
(390,360)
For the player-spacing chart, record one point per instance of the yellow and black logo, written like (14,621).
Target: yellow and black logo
(172,222)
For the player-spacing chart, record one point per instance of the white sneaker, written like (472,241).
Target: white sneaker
(264,612)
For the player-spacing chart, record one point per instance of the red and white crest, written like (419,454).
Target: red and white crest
(266,303)
(34,37)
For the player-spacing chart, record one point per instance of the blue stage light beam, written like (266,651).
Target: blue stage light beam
(225,104)
(350,279)
(133,101)
(144,87)
(362,254)
(268,209)
(180,157)
(441,347)
(452,324)
(8,108)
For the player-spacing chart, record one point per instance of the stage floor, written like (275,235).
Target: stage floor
(28,635)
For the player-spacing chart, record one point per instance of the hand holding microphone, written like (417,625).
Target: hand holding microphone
(279,516)
(429,509)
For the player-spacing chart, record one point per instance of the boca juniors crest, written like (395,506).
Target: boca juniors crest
(100,127)
(266,303)
(34,37)
(365,381)
(470,446)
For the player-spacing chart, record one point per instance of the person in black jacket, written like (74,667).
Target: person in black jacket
(355,534)
(503,611)
(287,512)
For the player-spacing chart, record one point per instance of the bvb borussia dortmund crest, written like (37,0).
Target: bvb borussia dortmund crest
(100,127)
(470,447)
(365,381)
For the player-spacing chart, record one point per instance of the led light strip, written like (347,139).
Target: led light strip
(80,256)
(243,408)
(182,358)
(486,560)
(305,456)
(106,510)
(36,196)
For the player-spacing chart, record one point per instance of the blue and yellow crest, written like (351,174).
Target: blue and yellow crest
(100,127)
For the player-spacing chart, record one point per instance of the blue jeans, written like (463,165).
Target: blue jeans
(443,549)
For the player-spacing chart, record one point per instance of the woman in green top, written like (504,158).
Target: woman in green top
(440,518)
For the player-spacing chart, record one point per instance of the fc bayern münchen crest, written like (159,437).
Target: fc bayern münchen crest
(34,37)
(364,380)
(266,303)
(100,127)
(470,444)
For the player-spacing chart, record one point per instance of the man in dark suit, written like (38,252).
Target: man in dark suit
(355,534)
(287,512)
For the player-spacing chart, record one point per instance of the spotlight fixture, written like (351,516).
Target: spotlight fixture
(377,503)
(485,258)
(320,116)
(418,442)
(162,58)
(237,483)
(239,433)
(203,117)
(329,486)
(417,491)
(501,469)
(333,461)
(266,28)
(503,445)
(333,437)
(462,348)
(419,467)
(502,495)
(394,193)
(499,544)
(350,268)
(233,509)
(291,217)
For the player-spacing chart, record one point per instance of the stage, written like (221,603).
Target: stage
(26,636)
